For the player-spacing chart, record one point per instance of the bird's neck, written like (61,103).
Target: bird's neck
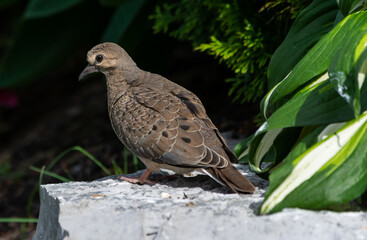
(119,81)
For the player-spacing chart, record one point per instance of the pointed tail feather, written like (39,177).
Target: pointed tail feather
(232,178)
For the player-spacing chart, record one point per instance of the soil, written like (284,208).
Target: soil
(58,112)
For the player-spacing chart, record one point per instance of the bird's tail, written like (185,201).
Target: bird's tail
(232,178)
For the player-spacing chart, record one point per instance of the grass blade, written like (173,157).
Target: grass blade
(18,220)
(83,151)
(91,157)
(136,163)
(126,160)
(48,173)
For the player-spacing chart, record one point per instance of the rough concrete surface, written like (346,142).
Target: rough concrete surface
(184,208)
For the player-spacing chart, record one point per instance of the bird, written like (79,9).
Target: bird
(164,124)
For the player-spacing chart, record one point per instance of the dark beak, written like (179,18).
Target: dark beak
(87,71)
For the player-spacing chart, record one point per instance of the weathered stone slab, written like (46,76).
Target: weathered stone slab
(185,208)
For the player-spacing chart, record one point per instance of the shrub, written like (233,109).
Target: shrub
(241,34)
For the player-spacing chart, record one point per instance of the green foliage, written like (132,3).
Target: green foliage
(18,220)
(48,173)
(318,93)
(305,32)
(238,33)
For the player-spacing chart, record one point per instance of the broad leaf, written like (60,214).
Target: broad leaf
(316,104)
(360,71)
(45,8)
(260,147)
(342,74)
(351,6)
(332,171)
(317,60)
(271,148)
(241,149)
(310,25)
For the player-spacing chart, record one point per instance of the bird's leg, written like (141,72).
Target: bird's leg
(140,180)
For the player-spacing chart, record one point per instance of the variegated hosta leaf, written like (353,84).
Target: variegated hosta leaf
(332,171)
(360,71)
(351,6)
(317,60)
(270,148)
(318,103)
(342,70)
(311,24)
(242,148)
(259,147)
(315,104)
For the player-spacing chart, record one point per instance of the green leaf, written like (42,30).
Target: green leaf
(45,8)
(125,154)
(241,149)
(136,163)
(271,148)
(316,104)
(116,168)
(121,20)
(317,60)
(351,6)
(341,70)
(361,70)
(307,141)
(310,25)
(260,147)
(48,173)
(18,220)
(332,171)
(91,157)
(83,151)
(41,45)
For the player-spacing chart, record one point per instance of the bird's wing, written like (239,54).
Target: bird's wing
(161,127)
(195,105)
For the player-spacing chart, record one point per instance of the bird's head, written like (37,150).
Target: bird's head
(107,58)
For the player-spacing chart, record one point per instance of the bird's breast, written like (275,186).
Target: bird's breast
(130,119)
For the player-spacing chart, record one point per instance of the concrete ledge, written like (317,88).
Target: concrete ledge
(184,208)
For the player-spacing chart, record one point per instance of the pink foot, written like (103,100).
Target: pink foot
(140,180)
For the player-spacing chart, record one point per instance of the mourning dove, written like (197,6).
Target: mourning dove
(162,123)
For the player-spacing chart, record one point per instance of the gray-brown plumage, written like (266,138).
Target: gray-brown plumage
(162,123)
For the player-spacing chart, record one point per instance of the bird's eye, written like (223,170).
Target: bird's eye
(99,58)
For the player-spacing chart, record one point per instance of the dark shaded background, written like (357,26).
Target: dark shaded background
(57,112)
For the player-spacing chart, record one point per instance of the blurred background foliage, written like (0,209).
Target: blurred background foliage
(242,34)
(46,35)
